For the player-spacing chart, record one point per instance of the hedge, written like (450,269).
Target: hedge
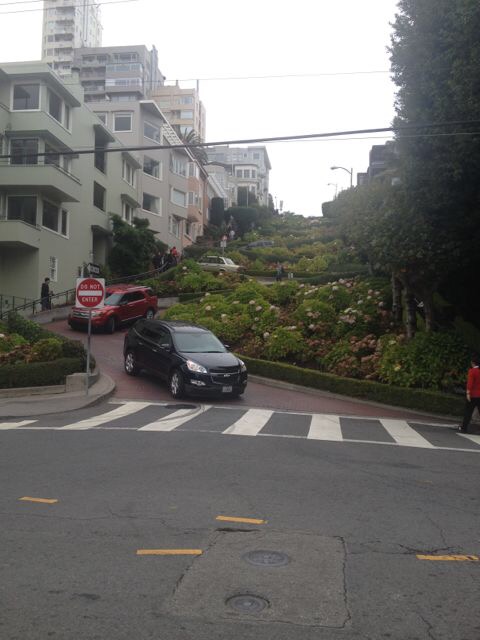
(312,278)
(420,399)
(39,374)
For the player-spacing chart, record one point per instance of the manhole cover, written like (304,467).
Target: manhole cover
(266,558)
(246,603)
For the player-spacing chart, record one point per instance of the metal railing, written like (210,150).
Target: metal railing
(68,296)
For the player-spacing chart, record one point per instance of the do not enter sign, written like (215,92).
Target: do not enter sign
(90,293)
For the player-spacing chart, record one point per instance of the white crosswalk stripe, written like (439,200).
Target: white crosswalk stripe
(173,420)
(403,434)
(325,428)
(250,424)
(15,425)
(261,422)
(124,410)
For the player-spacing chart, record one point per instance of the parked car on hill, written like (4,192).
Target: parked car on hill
(190,358)
(258,244)
(219,263)
(124,303)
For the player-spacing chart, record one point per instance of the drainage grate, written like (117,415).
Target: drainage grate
(263,558)
(246,603)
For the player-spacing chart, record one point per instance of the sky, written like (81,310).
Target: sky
(305,42)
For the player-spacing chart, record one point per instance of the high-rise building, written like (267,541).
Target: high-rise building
(182,108)
(118,74)
(68,25)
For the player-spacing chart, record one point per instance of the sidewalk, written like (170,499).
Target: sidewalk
(37,405)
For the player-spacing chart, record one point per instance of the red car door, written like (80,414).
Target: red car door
(136,305)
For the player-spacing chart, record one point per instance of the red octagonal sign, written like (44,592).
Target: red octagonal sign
(90,292)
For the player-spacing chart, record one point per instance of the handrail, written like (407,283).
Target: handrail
(71,292)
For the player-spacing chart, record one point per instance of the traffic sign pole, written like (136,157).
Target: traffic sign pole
(87,375)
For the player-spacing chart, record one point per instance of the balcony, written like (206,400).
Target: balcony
(52,181)
(16,233)
(38,124)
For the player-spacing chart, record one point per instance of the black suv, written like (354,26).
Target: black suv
(189,357)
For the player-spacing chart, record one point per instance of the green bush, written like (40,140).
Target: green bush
(315,313)
(38,374)
(419,399)
(46,350)
(428,361)
(31,331)
(282,293)
(9,341)
(283,343)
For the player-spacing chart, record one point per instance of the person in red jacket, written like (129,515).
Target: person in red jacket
(473,393)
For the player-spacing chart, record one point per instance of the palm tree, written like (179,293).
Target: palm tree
(192,138)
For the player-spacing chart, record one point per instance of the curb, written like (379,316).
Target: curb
(280,384)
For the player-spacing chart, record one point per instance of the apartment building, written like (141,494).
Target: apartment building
(182,108)
(170,183)
(55,209)
(118,74)
(241,171)
(68,25)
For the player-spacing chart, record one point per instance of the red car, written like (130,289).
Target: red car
(124,303)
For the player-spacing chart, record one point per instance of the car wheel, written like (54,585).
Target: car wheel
(177,386)
(111,325)
(150,314)
(131,366)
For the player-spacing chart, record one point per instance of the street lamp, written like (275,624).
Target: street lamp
(349,171)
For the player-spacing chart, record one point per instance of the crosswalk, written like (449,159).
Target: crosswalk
(239,421)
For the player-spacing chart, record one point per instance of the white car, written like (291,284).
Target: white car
(219,263)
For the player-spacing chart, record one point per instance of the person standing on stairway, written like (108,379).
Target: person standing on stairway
(473,394)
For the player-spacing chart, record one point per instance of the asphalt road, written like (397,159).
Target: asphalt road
(351,517)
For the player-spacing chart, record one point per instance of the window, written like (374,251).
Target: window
(101,115)
(122,121)
(178,197)
(150,203)
(238,173)
(67,117)
(246,173)
(53,268)
(256,156)
(178,165)
(191,197)
(127,212)
(151,131)
(128,173)
(186,100)
(50,216)
(51,159)
(54,106)
(100,159)
(254,173)
(174,226)
(64,223)
(22,208)
(188,228)
(193,170)
(186,115)
(99,196)
(26,97)
(23,151)
(153,168)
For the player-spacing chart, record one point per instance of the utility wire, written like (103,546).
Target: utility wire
(91,4)
(308,136)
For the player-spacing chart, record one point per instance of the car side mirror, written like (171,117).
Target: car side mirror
(227,346)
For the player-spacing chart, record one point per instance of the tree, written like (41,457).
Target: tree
(245,218)
(192,138)
(217,212)
(134,247)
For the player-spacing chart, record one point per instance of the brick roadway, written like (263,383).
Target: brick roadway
(108,352)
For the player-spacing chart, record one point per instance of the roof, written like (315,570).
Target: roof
(179,326)
(38,71)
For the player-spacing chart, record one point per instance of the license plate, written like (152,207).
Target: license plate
(227,389)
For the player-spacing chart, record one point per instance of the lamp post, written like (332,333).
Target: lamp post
(349,171)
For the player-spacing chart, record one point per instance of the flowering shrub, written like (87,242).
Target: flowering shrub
(285,342)
(9,341)
(282,293)
(337,294)
(46,350)
(429,361)
(249,291)
(315,316)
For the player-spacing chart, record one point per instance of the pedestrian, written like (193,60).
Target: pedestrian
(473,393)
(280,272)
(46,295)
(158,260)
(174,256)
(231,233)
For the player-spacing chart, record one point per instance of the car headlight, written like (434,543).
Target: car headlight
(243,366)
(96,313)
(195,367)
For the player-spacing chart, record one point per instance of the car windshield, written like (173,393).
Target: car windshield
(113,298)
(198,342)
(228,261)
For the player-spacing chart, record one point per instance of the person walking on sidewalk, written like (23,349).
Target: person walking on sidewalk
(473,393)
(46,295)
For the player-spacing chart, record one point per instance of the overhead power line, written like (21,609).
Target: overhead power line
(91,4)
(300,137)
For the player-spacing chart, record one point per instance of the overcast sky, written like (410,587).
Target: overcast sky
(222,38)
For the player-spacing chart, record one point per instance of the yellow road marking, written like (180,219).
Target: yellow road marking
(42,500)
(169,552)
(244,520)
(455,558)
